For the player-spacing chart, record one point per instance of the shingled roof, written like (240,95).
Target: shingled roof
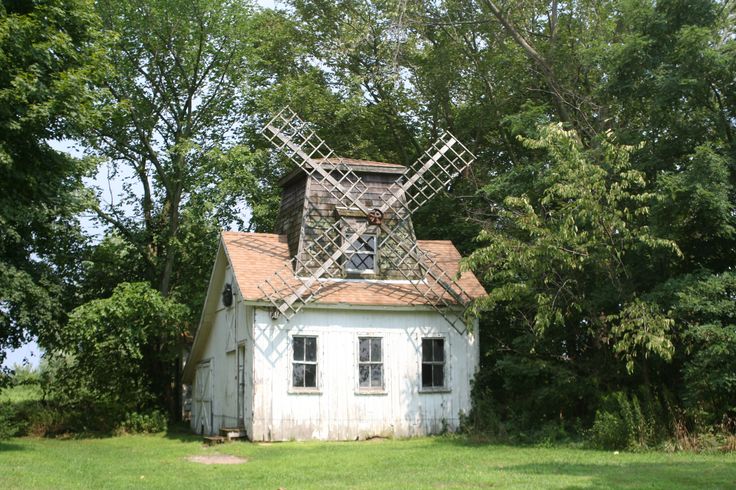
(255,257)
(354,164)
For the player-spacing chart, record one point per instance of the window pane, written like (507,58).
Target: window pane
(298,376)
(426,375)
(298,348)
(366,243)
(376,350)
(360,262)
(364,348)
(439,350)
(364,372)
(310,375)
(376,375)
(310,349)
(438,375)
(426,350)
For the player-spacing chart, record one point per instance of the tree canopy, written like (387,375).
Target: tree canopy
(51,56)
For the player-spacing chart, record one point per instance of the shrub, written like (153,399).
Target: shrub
(146,422)
(625,422)
(482,419)
(10,423)
(609,431)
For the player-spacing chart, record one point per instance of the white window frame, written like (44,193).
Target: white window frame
(377,390)
(350,252)
(293,362)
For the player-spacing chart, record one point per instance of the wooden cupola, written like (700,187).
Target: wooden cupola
(316,224)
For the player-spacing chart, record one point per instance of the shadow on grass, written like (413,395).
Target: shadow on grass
(465,441)
(182,433)
(9,446)
(638,475)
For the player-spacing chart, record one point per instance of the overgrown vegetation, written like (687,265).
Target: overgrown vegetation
(36,404)
(600,213)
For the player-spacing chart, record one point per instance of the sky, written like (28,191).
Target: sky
(30,353)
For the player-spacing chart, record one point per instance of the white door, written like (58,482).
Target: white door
(203,398)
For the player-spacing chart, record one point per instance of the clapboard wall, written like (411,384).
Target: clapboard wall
(338,409)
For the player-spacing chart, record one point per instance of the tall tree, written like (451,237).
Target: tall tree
(175,114)
(176,106)
(654,75)
(50,57)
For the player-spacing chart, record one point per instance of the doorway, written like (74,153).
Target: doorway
(241,385)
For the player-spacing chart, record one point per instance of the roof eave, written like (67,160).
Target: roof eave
(355,167)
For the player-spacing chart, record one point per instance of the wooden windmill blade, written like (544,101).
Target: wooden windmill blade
(431,173)
(288,290)
(299,142)
(440,290)
(442,162)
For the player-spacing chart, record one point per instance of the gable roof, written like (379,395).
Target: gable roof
(257,257)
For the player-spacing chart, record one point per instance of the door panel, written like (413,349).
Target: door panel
(203,398)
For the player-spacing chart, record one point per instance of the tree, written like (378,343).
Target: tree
(175,102)
(653,75)
(51,57)
(116,347)
(174,115)
(559,263)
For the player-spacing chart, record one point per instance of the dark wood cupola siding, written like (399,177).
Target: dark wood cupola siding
(309,212)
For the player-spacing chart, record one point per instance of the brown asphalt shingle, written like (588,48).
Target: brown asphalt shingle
(257,257)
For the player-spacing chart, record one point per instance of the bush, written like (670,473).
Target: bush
(11,424)
(147,422)
(482,419)
(609,431)
(625,422)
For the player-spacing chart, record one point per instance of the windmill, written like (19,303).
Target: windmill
(290,289)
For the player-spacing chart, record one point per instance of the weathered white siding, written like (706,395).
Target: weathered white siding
(231,327)
(338,409)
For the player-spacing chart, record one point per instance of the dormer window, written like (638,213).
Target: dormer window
(361,256)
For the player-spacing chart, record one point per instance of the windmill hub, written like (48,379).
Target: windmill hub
(375,216)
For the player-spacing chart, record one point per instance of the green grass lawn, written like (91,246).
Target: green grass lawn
(159,461)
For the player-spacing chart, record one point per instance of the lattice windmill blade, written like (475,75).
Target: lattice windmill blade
(442,162)
(441,291)
(301,295)
(285,283)
(296,139)
(439,165)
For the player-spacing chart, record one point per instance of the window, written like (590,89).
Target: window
(361,256)
(304,366)
(370,363)
(433,363)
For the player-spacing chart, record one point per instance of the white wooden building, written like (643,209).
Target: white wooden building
(242,365)
(368,351)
